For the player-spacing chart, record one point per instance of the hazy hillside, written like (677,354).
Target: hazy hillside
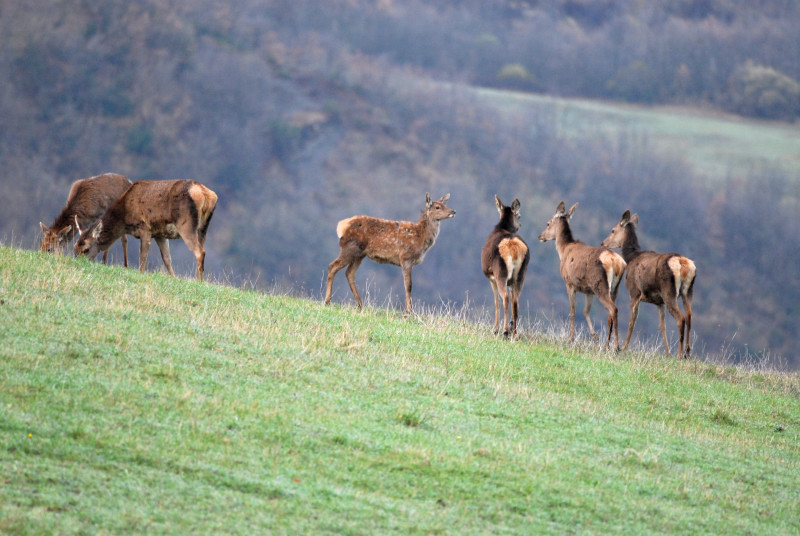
(299,114)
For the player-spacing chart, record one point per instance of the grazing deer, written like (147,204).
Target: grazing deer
(504,259)
(155,209)
(87,201)
(586,269)
(401,243)
(657,278)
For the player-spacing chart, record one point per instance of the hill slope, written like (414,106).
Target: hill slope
(135,403)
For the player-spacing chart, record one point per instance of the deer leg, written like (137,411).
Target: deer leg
(407,282)
(351,278)
(632,322)
(105,257)
(517,290)
(512,313)
(502,289)
(195,245)
(144,247)
(672,307)
(571,294)
(662,327)
(495,297)
(125,250)
(586,310)
(687,306)
(333,268)
(163,245)
(613,324)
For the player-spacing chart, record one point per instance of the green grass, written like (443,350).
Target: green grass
(138,403)
(715,146)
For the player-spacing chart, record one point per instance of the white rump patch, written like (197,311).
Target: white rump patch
(342,227)
(610,262)
(683,270)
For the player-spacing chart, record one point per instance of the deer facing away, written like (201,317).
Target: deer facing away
(504,259)
(657,278)
(160,210)
(401,243)
(586,269)
(87,201)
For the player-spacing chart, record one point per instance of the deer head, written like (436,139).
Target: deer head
(438,210)
(54,239)
(88,243)
(516,218)
(551,231)
(617,237)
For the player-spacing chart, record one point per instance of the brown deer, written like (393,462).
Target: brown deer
(504,259)
(657,278)
(87,201)
(586,269)
(401,243)
(155,209)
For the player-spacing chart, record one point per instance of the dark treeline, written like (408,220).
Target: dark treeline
(301,113)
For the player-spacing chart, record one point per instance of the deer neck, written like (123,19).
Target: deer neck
(563,237)
(506,223)
(430,230)
(113,229)
(630,245)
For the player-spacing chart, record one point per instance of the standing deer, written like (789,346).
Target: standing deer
(155,209)
(504,259)
(87,201)
(586,269)
(657,278)
(401,243)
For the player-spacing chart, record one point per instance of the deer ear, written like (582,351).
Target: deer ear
(97,229)
(561,209)
(444,199)
(77,226)
(43,226)
(635,219)
(498,204)
(515,204)
(62,234)
(572,209)
(626,216)
(427,200)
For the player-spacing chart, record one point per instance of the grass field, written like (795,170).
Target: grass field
(142,404)
(714,145)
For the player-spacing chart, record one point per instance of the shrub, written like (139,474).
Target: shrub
(760,91)
(516,76)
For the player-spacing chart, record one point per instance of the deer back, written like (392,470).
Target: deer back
(385,241)
(656,275)
(162,206)
(155,208)
(505,253)
(586,268)
(395,242)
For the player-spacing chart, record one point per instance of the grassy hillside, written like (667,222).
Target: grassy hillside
(139,403)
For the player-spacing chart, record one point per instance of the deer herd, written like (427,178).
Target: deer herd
(103,209)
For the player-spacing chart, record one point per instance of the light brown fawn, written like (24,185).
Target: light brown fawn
(657,278)
(504,259)
(155,209)
(87,201)
(401,243)
(586,269)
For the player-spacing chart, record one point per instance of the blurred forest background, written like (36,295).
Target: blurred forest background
(299,113)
